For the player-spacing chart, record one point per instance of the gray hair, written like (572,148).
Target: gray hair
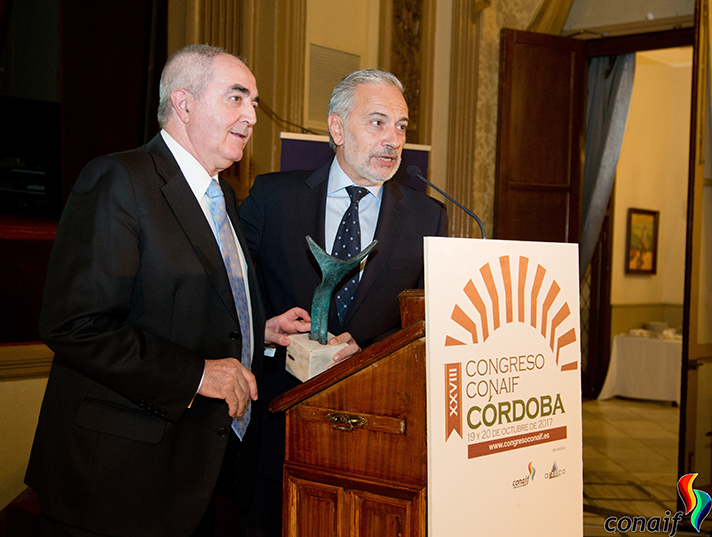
(342,98)
(191,69)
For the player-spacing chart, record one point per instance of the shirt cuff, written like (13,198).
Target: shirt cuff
(199,386)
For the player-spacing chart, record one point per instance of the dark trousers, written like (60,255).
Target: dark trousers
(220,518)
(264,517)
(50,527)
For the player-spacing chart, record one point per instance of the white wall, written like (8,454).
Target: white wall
(653,174)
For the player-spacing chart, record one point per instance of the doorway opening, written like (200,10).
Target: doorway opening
(631,444)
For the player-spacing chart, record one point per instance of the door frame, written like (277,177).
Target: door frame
(653,41)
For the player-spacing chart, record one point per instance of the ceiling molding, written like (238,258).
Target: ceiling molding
(630,28)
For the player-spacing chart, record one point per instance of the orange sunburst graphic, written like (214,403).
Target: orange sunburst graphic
(518,292)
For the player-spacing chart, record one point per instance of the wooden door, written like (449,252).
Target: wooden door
(540,141)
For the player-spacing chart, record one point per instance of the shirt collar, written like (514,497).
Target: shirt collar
(196,176)
(338,180)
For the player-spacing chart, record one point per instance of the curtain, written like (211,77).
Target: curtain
(610,85)
(551,17)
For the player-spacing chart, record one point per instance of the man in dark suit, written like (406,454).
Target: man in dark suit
(367,120)
(155,317)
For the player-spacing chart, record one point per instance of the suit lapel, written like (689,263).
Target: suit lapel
(192,219)
(312,210)
(312,206)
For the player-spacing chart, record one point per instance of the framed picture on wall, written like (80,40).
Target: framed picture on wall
(642,242)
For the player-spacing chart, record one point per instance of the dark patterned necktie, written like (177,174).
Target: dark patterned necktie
(347,244)
(228,249)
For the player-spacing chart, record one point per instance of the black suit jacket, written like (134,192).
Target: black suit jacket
(280,211)
(137,297)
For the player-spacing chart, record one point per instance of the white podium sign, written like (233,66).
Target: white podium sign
(504,389)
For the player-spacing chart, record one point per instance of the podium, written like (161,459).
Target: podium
(356,452)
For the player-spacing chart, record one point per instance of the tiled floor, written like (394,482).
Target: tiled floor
(629,462)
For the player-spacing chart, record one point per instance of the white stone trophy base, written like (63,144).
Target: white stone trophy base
(307,358)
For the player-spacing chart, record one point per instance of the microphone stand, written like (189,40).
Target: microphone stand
(414,172)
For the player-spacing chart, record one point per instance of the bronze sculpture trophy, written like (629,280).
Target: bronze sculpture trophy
(310,354)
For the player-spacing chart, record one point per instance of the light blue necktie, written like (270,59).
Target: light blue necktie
(228,249)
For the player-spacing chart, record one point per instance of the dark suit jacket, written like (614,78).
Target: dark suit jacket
(137,297)
(280,211)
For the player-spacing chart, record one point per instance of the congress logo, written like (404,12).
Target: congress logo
(522,295)
(506,292)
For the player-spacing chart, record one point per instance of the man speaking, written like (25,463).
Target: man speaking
(343,206)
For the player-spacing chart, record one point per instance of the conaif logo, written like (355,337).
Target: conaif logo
(697,505)
(524,481)
(697,502)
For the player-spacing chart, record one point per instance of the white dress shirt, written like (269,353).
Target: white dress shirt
(198,181)
(338,200)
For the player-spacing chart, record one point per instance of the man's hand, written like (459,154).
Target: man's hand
(346,352)
(228,379)
(291,321)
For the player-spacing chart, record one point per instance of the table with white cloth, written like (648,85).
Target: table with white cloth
(644,368)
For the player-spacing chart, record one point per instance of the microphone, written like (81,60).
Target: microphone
(414,172)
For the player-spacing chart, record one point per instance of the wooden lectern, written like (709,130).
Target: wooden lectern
(356,451)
